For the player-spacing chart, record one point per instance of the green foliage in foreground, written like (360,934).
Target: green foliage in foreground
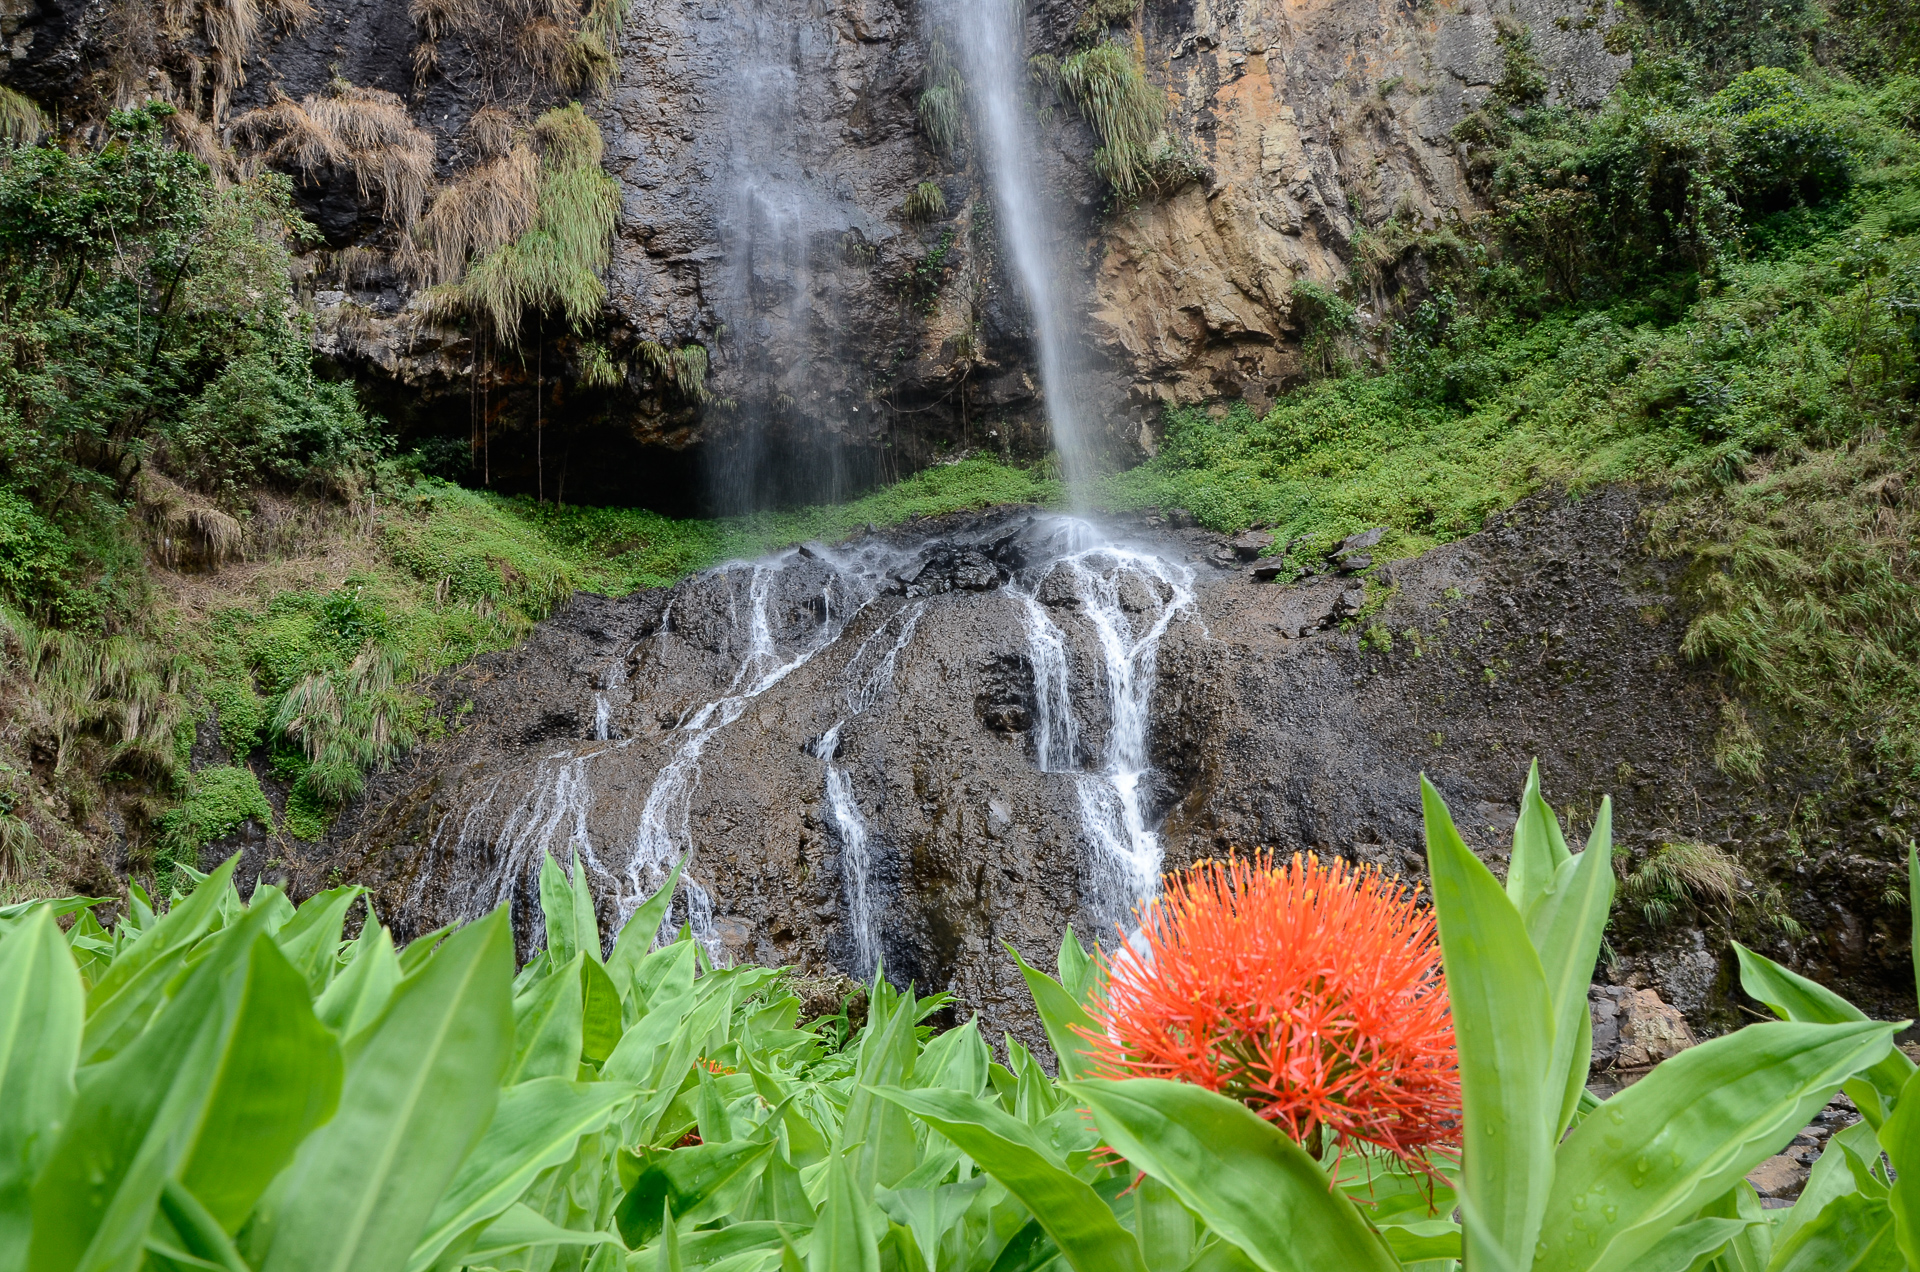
(232,1086)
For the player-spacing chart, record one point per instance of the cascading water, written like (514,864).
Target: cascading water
(988,35)
(1129,598)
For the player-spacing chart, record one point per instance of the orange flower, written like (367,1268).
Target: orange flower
(1312,993)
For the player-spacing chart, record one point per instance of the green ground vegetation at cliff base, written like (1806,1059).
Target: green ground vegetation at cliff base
(1765,379)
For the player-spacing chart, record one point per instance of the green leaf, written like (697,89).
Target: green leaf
(312,938)
(522,1228)
(880,1134)
(126,995)
(1423,1240)
(1680,1248)
(701,1183)
(1851,1234)
(637,935)
(1688,1131)
(1792,996)
(1900,1137)
(1168,1235)
(356,997)
(537,1125)
(1539,848)
(236,1047)
(567,907)
(1564,922)
(42,1008)
(1061,1015)
(1245,1179)
(421,1086)
(1503,1024)
(421,948)
(1832,1177)
(844,1240)
(546,1027)
(600,1012)
(201,1235)
(1088,1235)
(1078,971)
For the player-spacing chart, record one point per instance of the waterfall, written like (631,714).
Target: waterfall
(988,33)
(1130,598)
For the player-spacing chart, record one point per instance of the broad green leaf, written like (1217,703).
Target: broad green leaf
(1422,1240)
(1061,1015)
(278,1077)
(521,1228)
(312,938)
(586,925)
(421,1086)
(844,1239)
(1852,1233)
(1832,1177)
(931,1213)
(537,1125)
(669,1260)
(711,1245)
(61,907)
(1503,1024)
(1655,1153)
(1165,1228)
(546,1027)
(1680,1248)
(635,1059)
(600,1012)
(636,939)
(1078,971)
(1751,1248)
(701,1183)
(1539,848)
(1565,921)
(1900,1137)
(878,1131)
(201,1236)
(421,948)
(237,1044)
(358,995)
(957,1058)
(1089,1237)
(92,947)
(1792,996)
(42,1008)
(567,908)
(1245,1179)
(125,996)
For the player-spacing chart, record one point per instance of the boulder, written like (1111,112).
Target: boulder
(1250,543)
(1634,1028)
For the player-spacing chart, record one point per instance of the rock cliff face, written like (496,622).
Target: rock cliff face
(1324,124)
(913,747)
(765,151)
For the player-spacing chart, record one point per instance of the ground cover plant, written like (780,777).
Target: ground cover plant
(230,1084)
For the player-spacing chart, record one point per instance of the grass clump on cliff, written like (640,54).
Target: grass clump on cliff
(1106,83)
(554,265)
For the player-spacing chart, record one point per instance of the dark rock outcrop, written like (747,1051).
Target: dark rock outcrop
(1274,722)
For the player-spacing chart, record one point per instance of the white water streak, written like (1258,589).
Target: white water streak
(1129,598)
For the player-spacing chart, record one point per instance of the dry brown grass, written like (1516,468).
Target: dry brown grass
(367,131)
(186,531)
(232,26)
(488,207)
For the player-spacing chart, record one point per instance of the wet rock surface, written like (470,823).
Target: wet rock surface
(870,753)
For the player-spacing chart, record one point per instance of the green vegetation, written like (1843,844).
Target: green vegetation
(925,202)
(219,798)
(231,1084)
(555,265)
(1714,295)
(1106,83)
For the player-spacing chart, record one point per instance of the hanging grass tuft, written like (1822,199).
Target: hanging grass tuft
(925,203)
(554,265)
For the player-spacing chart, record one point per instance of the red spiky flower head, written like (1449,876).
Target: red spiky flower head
(1310,992)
